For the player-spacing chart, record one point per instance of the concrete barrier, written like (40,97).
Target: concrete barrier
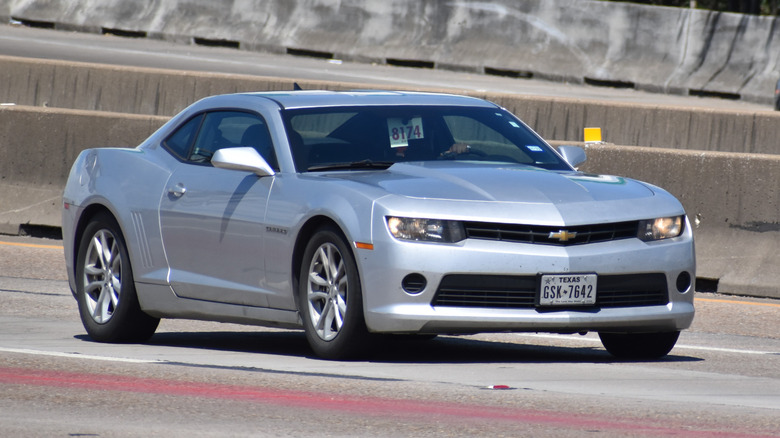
(675,50)
(38,147)
(732,199)
(648,125)
(101,87)
(165,92)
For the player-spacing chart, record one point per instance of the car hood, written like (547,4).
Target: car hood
(498,183)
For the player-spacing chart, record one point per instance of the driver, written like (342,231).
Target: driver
(456,149)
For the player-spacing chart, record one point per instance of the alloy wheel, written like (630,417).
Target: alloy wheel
(102,276)
(327,291)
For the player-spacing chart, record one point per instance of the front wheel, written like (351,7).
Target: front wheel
(330,297)
(105,288)
(639,345)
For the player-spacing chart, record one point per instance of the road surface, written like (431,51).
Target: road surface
(209,379)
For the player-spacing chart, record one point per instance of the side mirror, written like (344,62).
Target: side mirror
(574,155)
(242,158)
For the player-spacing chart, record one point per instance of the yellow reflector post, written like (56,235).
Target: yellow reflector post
(592,135)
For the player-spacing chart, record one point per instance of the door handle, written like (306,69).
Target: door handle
(178,190)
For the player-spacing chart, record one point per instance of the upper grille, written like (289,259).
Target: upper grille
(514,291)
(538,234)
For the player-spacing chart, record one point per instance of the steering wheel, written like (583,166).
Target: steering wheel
(451,155)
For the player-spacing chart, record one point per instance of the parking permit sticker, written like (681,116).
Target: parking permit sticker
(534,148)
(403,130)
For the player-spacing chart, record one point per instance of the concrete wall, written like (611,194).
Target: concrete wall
(165,92)
(38,147)
(662,49)
(733,199)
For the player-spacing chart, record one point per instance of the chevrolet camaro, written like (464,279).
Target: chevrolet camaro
(352,214)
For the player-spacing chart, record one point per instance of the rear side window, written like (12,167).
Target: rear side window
(180,141)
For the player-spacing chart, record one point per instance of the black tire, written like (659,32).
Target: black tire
(105,288)
(639,345)
(330,300)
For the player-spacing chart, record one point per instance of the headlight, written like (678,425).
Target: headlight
(661,228)
(428,230)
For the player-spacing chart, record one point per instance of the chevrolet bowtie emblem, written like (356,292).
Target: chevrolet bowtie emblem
(562,235)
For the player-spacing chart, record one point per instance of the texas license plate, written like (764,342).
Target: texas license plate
(567,289)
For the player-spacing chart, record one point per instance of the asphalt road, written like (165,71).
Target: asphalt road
(209,379)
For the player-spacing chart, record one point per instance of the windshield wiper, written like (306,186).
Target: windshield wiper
(363,164)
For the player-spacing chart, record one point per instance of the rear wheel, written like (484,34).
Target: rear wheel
(105,288)
(639,345)
(330,297)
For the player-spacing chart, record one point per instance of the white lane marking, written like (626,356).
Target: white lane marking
(726,350)
(76,355)
(529,335)
(683,346)
(567,337)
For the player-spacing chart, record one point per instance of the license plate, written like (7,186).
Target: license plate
(567,289)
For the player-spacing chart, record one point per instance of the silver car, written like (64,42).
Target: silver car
(348,214)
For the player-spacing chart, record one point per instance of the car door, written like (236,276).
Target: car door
(212,220)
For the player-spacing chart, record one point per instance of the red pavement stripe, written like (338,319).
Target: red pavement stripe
(344,403)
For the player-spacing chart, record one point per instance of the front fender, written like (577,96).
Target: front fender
(128,185)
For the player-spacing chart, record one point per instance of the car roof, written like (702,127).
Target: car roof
(322,98)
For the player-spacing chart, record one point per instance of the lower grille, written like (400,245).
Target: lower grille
(518,292)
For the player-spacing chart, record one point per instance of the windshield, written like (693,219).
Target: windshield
(375,137)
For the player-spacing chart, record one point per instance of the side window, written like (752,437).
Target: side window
(255,134)
(228,129)
(180,141)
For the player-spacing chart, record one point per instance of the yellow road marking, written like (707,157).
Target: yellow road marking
(749,303)
(31,245)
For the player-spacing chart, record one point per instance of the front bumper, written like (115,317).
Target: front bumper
(389,308)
